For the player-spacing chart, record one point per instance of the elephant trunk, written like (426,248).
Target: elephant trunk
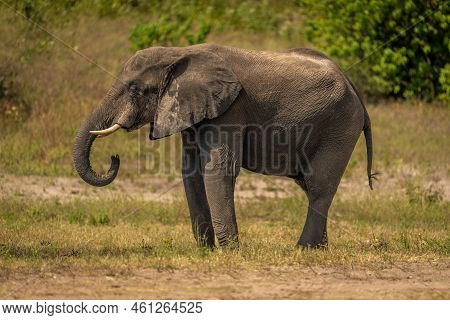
(82,149)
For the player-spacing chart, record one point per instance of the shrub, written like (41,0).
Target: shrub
(415,61)
(166,31)
(190,22)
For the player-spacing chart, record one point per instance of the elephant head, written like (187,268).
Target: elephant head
(170,88)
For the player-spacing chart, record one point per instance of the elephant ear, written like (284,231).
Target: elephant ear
(199,85)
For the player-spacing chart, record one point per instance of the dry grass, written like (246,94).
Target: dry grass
(123,234)
(393,247)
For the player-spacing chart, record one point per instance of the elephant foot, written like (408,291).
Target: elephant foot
(317,243)
(308,246)
(229,242)
(206,244)
(207,240)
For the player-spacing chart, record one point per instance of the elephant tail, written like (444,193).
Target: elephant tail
(368,136)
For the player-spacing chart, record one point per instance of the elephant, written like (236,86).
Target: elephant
(230,106)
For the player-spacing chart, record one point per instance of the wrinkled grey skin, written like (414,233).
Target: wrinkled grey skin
(197,90)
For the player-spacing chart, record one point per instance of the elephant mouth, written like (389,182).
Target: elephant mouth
(133,127)
(115,127)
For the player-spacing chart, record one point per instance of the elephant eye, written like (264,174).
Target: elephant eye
(134,88)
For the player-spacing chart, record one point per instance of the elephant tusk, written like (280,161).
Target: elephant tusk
(106,132)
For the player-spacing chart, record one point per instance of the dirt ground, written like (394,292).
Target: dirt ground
(159,189)
(144,188)
(399,282)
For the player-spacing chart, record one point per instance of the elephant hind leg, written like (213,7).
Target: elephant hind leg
(301,182)
(314,234)
(320,185)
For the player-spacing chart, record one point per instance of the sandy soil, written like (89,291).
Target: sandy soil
(159,189)
(144,188)
(412,281)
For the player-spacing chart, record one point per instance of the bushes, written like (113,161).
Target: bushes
(190,22)
(168,31)
(413,64)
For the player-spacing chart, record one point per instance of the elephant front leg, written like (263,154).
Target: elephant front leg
(196,194)
(220,172)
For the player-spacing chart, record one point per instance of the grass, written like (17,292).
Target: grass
(121,234)
(406,136)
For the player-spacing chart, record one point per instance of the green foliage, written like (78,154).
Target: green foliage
(166,31)
(444,80)
(190,22)
(401,62)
